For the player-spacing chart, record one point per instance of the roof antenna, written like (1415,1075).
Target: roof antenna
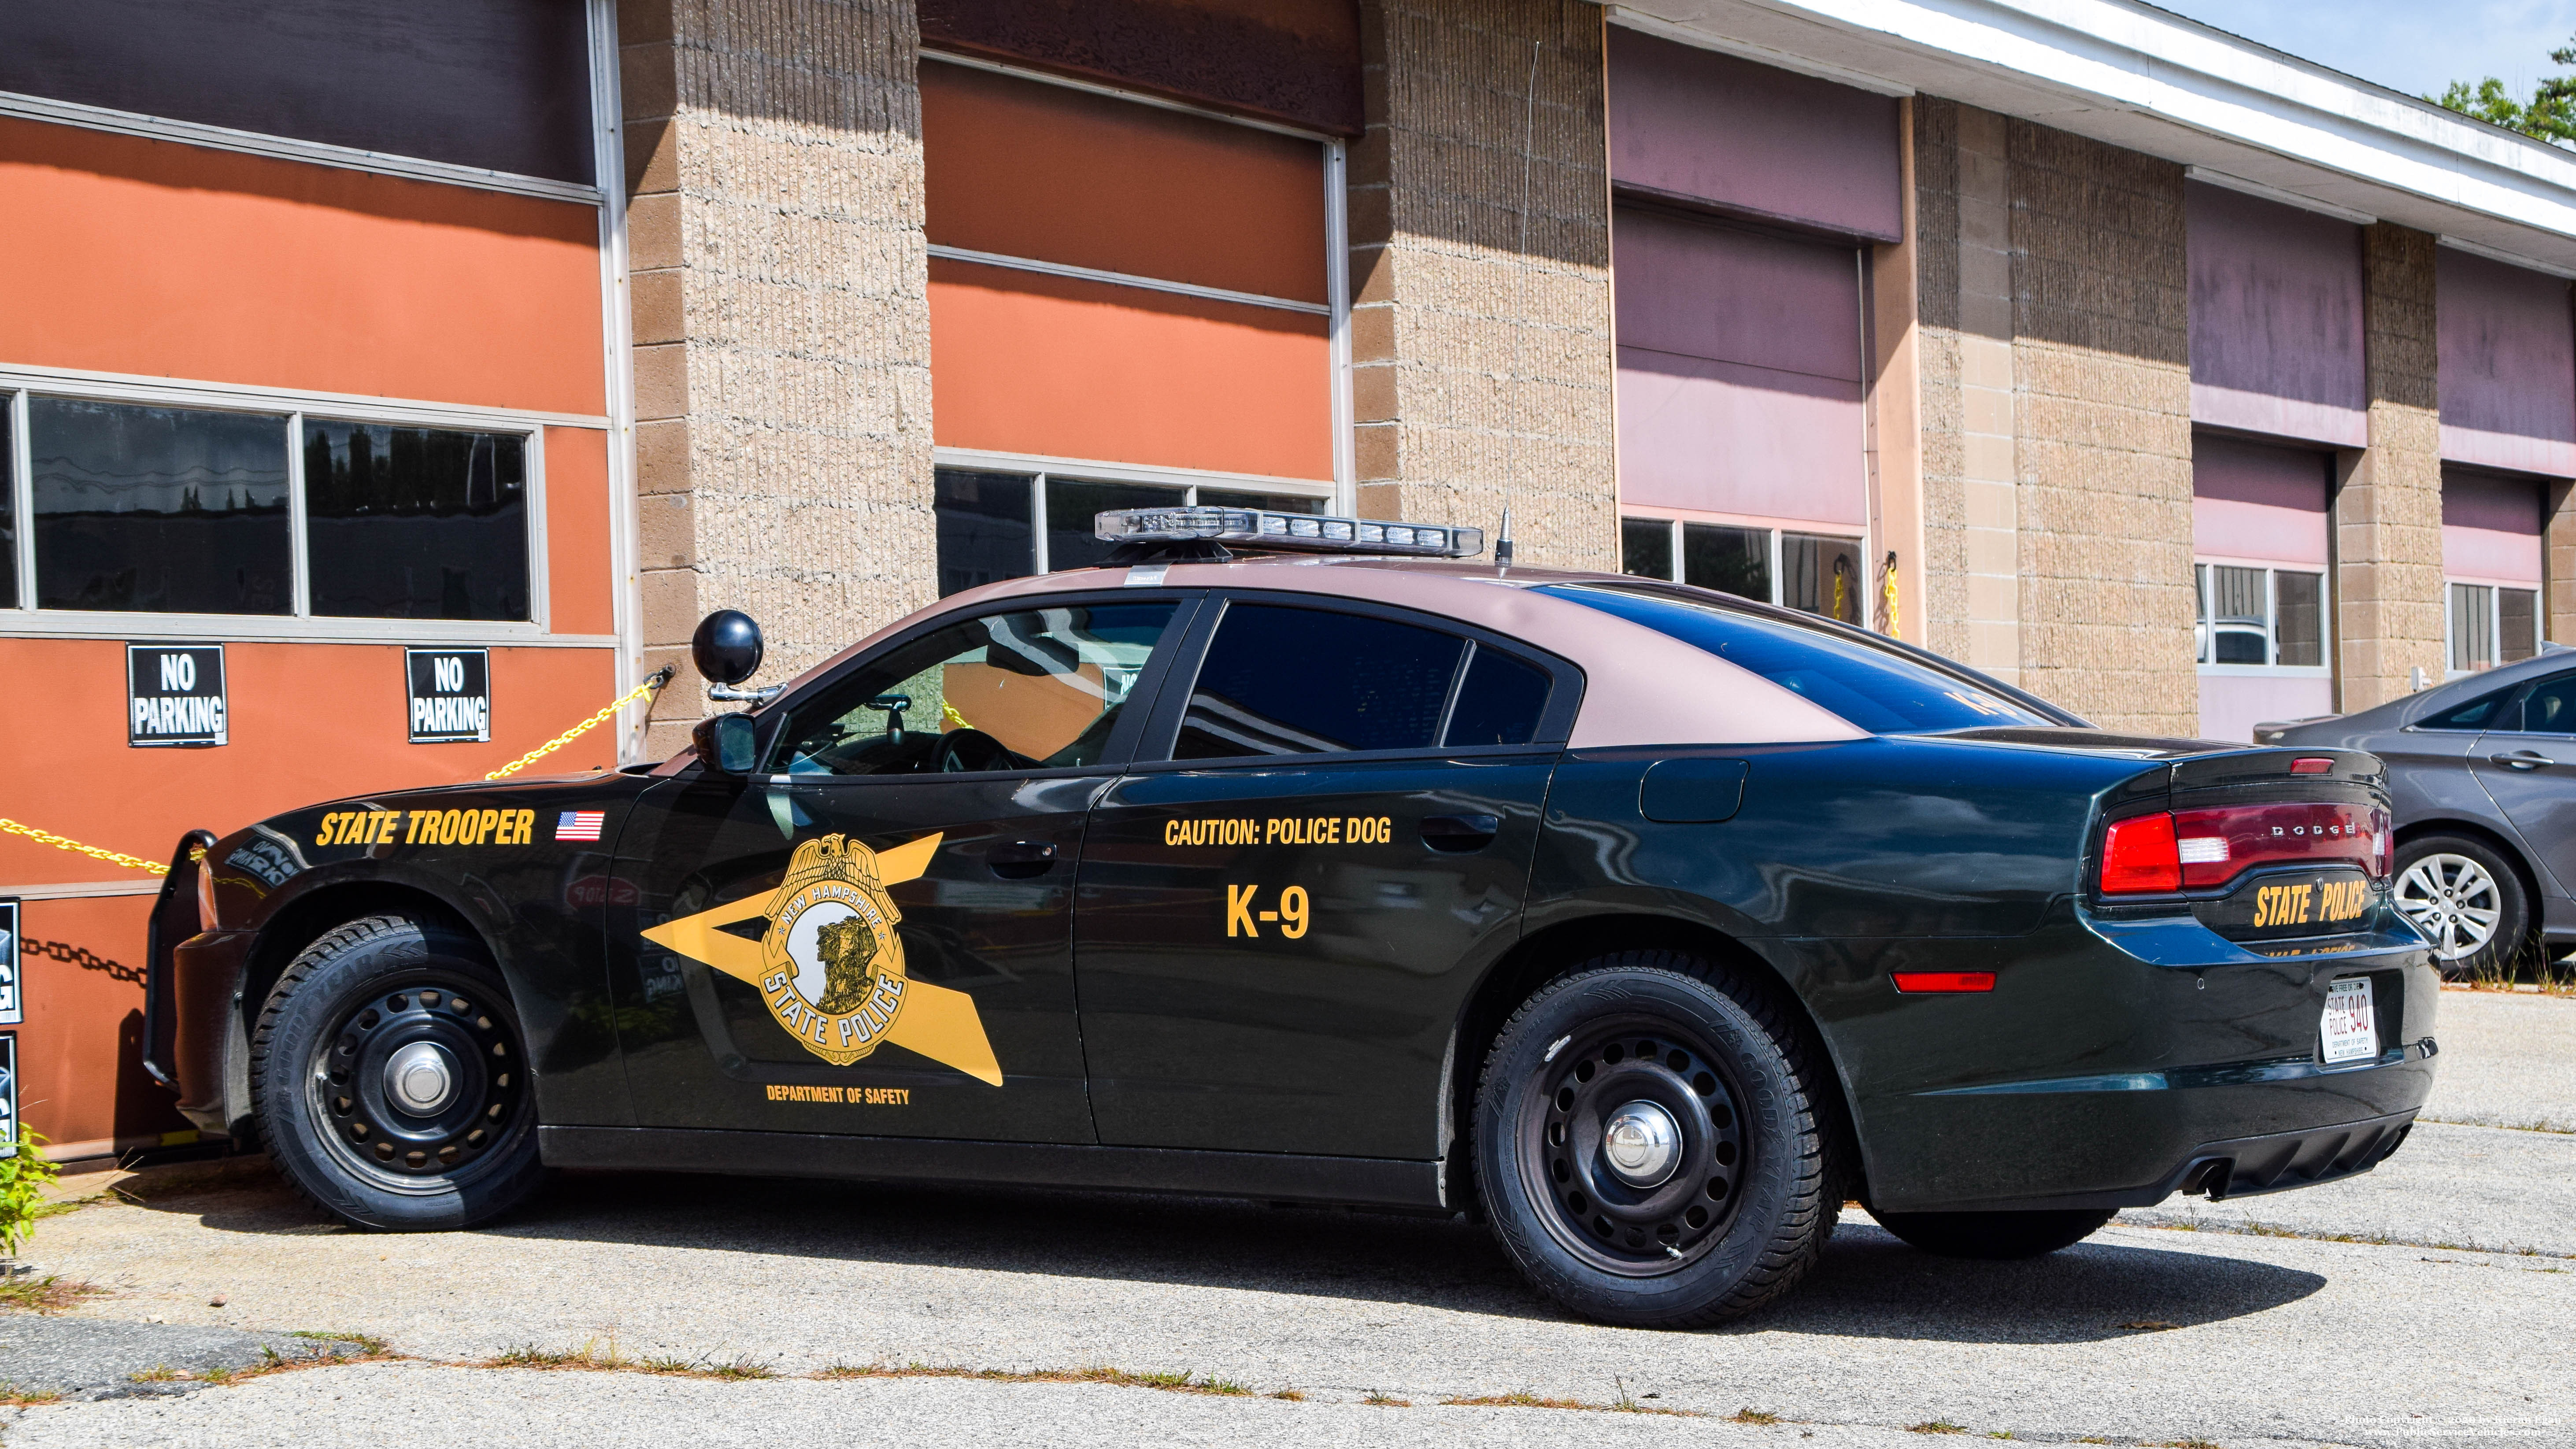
(1503,542)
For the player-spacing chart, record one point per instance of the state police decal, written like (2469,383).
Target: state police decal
(830,966)
(832,963)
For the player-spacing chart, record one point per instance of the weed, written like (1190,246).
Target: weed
(158,1374)
(1754,1416)
(528,1355)
(2190,1444)
(14,1397)
(368,1344)
(2148,1325)
(1294,1396)
(1999,1433)
(842,1371)
(1936,1426)
(220,1376)
(1386,1400)
(1181,1382)
(663,1364)
(50,1294)
(24,1175)
(743,1368)
(1525,1399)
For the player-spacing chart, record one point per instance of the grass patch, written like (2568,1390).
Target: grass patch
(1294,1396)
(14,1397)
(1172,1382)
(2190,1444)
(157,1374)
(368,1344)
(1525,1399)
(1386,1400)
(52,1293)
(1752,1416)
(2149,1325)
(1936,1426)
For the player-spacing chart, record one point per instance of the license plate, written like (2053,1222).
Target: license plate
(2351,1028)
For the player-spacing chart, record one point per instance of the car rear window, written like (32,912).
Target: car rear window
(1875,689)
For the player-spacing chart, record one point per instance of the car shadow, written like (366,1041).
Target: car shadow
(1868,1285)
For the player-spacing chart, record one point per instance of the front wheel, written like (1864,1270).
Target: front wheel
(2465,899)
(391,1078)
(1995,1236)
(1652,1143)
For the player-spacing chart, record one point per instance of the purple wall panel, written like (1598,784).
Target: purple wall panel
(2490,528)
(2232,704)
(1706,127)
(2275,319)
(2508,366)
(1739,371)
(1736,296)
(2255,501)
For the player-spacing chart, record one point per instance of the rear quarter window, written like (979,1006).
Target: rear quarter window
(1875,689)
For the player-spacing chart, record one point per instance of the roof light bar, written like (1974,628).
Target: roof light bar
(1300,532)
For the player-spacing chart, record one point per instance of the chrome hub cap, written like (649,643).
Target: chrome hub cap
(2453,901)
(420,1078)
(1642,1144)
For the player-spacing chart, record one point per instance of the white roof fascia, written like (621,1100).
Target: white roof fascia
(2274,193)
(2130,74)
(1628,18)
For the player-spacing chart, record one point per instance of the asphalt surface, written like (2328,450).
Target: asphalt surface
(2259,1327)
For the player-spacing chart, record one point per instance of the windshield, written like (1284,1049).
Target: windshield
(1875,689)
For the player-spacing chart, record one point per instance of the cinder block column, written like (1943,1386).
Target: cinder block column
(2388,496)
(1480,271)
(2102,360)
(782,325)
(1968,576)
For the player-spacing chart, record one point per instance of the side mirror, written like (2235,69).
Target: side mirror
(726,647)
(728,744)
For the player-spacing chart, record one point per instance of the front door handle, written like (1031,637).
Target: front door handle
(1459,834)
(1021,859)
(2522,759)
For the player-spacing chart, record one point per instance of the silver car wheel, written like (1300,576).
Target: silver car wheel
(2453,901)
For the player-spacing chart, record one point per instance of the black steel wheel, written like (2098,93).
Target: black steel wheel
(1653,1145)
(390,1078)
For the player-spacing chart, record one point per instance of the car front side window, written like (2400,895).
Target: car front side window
(1026,689)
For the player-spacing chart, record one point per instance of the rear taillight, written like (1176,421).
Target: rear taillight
(2195,849)
(2138,854)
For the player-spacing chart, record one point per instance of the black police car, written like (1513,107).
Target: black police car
(1649,923)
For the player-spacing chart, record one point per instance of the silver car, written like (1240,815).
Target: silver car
(2482,772)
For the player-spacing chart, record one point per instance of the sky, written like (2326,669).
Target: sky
(2415,46)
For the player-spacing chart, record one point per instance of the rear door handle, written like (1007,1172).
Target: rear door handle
(2522,759)
(1021,859)
(1460,834)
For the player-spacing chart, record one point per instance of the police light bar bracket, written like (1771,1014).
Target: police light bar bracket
(1198,531)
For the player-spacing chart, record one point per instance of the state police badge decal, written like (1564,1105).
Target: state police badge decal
(830,966)
(832,963)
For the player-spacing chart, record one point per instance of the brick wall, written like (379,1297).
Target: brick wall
(1480,272)
(782,328)
(2388,497)
(2102,414)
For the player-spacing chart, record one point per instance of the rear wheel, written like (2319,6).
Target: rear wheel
(1652,1146)
(391,1079)
(2466,899)
(1995,1235)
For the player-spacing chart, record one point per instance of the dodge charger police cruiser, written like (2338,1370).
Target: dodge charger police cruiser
(1299,859)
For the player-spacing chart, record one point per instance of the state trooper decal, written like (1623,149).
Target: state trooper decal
(830,966)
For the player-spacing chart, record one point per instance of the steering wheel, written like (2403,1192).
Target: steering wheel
(971,749)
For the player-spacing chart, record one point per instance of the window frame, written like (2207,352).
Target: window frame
(1163,725)
(1775,532)
(1037,470)
(771,719)
(2495,589)
(21,618)
(2203,582)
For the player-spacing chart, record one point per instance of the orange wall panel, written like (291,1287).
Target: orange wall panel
(309,722)
(579,583)
(80,1050)
(1044,172)
(139,256)
(1027,363)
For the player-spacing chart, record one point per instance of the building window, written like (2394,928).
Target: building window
(142,508)
(996,525)
(416,523)
(1814,572)
(2491,624)
(2260,617)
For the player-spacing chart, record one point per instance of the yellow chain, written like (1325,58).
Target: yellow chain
(47,837)
(656,680)
(659,678)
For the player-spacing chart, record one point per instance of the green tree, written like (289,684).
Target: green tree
(2550,114)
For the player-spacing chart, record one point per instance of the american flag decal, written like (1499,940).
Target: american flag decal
(579,824)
